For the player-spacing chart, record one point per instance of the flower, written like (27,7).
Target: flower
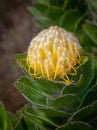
(54,54)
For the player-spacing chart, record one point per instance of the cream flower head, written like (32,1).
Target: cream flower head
(54,54)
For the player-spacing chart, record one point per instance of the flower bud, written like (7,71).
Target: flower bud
(54,54)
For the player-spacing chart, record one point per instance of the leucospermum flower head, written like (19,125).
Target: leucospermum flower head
(54,54)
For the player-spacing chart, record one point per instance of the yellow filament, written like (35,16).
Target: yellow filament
(48,74)
(42,70)
(79,57)
(66,78)
(74,71)
(56,71)
(52,65)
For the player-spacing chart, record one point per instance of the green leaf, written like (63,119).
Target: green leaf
(69,19)
(52,88)
(53,112)
(33,117)
(45,2)
(13,119)
(37,91)
(90,96)
(64,101)
(55,116)
(87,72)
(78,25)
(82,6)
(36,114)
(87,114)
(91,30)
(69,4)
(44,87)
(41,7)
(39,11)
(5,123)
(54,14)
(20,124)
(30,94)
(33,84)
(43,23)
(77,125)
(29,123)
(86,42)
(21,60)
(3,117)
(33,120)
(58,3)
(96,65)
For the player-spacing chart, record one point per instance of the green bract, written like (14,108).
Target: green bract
(55,106)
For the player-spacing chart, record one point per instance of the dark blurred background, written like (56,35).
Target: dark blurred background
(16,31)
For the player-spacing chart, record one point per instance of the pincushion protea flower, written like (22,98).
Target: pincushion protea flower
(55,103)
(54,53)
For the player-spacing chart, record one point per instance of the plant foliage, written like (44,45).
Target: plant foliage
(78,16)
(52,105)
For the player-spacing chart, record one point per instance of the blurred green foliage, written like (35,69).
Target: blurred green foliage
(77,16)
